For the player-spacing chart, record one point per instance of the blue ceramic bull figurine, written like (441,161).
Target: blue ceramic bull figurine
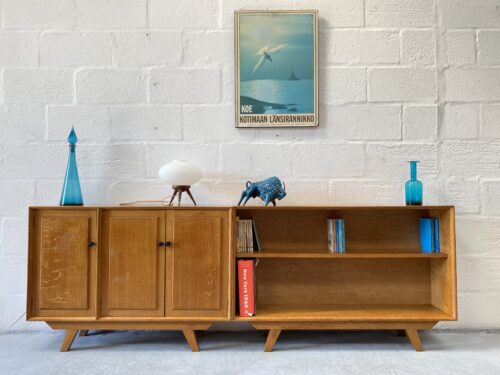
(268,190)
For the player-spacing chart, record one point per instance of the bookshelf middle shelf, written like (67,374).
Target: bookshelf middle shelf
(351,254)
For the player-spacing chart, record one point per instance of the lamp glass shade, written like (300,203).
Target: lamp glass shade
(180,173)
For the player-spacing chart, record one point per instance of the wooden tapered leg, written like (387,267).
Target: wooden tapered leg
(400,332)
(84,332)
(68,339)
(271,339)
(414,338)
(191,339)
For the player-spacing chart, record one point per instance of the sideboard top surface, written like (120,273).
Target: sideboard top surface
(146,207)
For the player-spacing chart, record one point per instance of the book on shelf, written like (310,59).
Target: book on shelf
(437,246)
(429,235)
(238,238)
(256,240)
(336,235)
(249,232)
(246,287)
(242,235)
(247,236)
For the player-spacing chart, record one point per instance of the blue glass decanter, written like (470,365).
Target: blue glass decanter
(71,193)
(413,187)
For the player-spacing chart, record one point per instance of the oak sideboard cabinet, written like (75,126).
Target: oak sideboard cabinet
(128,268)
(174,268)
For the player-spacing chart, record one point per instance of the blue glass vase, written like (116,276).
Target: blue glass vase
(413,187)
(71,193)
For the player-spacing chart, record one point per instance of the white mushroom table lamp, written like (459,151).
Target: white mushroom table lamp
(181,174)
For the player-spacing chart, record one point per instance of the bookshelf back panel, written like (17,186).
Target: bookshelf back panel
(367,229)
(350,282)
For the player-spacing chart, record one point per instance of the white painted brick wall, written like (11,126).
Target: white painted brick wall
(111,14)
(490,126)
(19,48)
(324,160)
(491,197)
(467,13)
(187,14)
(400,13)
(39,14)
(402,84)
(461,121)
(461,47)
(465,193)
(473,84)
(148,48)
(213,123)
(418,47)
(30,86)
(93,122)
(339,13)
(146,81)
(207,48)
(471,159)
(97,86)
(185,86)
(343,85)
(388,161)
(420,122)
(13,236)
(158,123)
(70,49)
(488,43)
(30,129)
(254,161)
(367,122)
(361,46)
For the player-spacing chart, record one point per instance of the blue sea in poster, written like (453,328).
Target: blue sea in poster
(278,96)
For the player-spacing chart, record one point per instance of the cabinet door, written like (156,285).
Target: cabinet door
(62,263)
(133,263)
(197,263)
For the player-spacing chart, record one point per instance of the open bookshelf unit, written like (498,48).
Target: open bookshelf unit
(382,281)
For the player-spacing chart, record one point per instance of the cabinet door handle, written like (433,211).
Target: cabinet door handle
(161,243)
(91,244)
(168,244)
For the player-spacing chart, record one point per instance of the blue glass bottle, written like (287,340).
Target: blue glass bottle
(413,187)
(71,193)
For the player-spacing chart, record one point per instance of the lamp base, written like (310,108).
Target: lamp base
(179,189)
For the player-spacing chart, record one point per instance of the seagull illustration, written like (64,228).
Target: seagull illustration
(265,54)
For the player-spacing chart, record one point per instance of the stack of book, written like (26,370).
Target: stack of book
(247,239)
(429,235)
(336,235)
(246,287)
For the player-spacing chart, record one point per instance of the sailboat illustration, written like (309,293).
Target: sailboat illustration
(293,77)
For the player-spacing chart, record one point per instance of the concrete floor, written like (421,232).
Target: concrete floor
(242,353)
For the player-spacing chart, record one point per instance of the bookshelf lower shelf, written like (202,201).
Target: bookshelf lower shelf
(330,313)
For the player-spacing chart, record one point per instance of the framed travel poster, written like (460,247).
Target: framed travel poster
(276,55)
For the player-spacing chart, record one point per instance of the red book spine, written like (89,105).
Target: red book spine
(246,287)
